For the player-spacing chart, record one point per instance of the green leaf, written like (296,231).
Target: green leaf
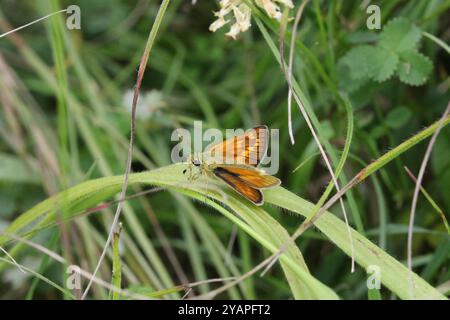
(398,117)
(357,60)
(355,69)
(414,68)
(400,35)
(395,276)
(372,62)
(253,220)
(382,63)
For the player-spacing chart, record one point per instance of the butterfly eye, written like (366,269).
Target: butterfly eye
(196,162)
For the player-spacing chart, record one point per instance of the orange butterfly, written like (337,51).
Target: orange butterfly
(235,161)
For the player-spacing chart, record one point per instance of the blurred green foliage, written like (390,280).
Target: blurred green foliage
(397,80)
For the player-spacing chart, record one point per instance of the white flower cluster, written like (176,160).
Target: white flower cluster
(242,14)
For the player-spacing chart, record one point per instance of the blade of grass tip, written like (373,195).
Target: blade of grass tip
(304,162)
(416,195)
(298,16)
(142,66)
(430,200)
(288,78)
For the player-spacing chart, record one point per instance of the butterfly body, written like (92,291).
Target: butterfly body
(235,162)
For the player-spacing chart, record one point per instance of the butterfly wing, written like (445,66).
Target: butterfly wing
(254,177)
(248,148)
(252,194)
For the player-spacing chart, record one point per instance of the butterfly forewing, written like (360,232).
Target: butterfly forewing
(248,148)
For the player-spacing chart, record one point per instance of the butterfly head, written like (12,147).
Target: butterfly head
(194,161)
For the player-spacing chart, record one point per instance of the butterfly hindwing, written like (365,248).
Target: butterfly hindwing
(239,185)
(252,176)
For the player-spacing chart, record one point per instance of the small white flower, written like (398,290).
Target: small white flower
(234,31)
(241,17)
(242,14)
(272,9)
(219,23)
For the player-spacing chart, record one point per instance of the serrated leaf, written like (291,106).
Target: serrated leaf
(356,60)
(414,68)
(346,82)
(400,35)
(397,117)
(354,68)
(383,63)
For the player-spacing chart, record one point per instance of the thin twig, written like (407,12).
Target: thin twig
(30,23)
(213,293)
(298,16)
(416,195)
(231,242)
(322,152)
(12,259)
(430,200)
(142,66)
